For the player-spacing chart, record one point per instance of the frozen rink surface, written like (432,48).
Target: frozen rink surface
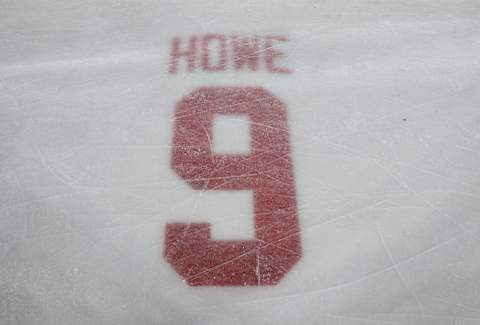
(239,162)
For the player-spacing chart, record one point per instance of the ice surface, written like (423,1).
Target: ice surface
(383,111)
(231,134)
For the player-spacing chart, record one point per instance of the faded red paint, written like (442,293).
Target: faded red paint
(271,54)
(190,54)
(246,52)
(267,170)
(217,52)
(220,43)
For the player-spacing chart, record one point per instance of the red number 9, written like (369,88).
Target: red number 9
(267,170)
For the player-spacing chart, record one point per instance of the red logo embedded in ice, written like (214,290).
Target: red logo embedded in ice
(267,170)
(216,52)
